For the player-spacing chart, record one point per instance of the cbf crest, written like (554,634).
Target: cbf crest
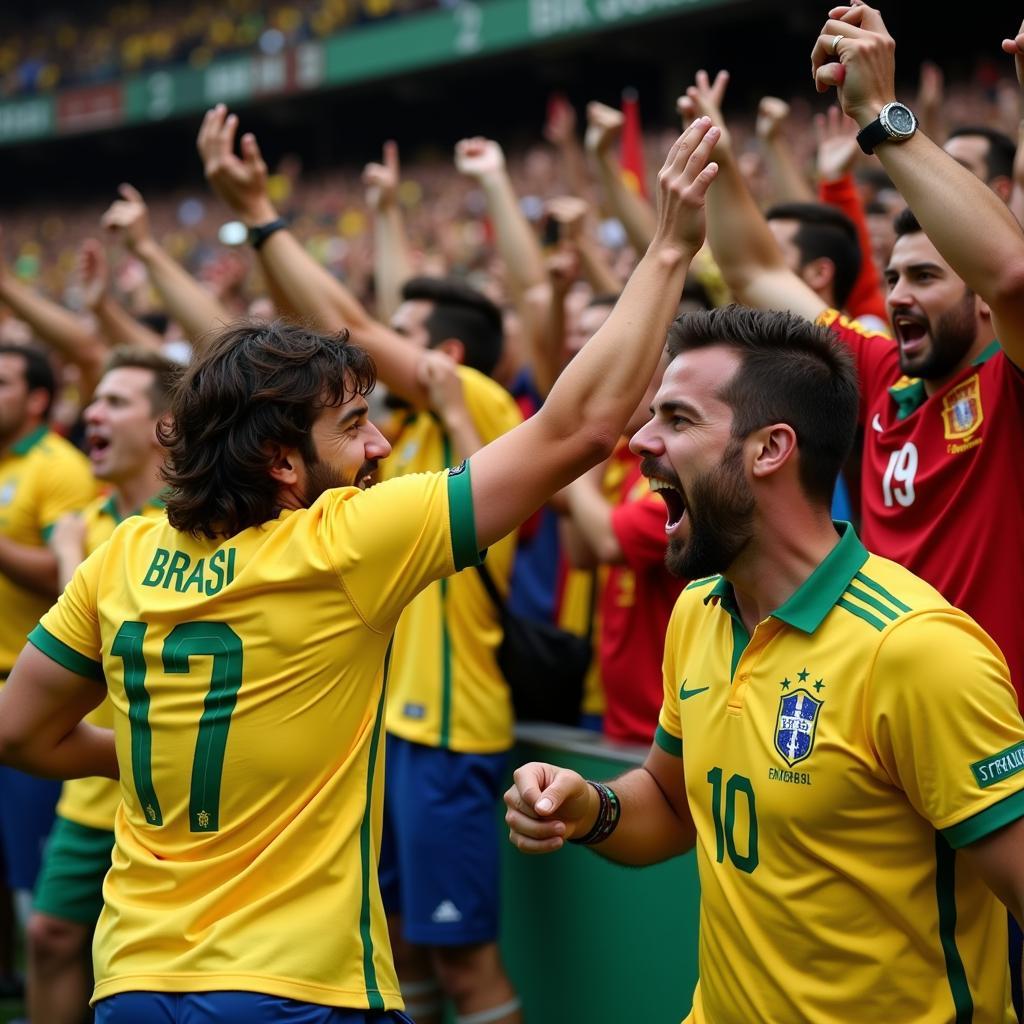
(962,413)
(796,725)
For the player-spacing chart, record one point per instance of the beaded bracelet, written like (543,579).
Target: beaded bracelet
(607,816)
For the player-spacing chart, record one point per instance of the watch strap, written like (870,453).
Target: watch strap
(261,232)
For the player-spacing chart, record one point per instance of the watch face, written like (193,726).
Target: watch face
(900,120)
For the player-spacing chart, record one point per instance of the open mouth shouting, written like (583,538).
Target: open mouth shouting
(675,501)
(912,330)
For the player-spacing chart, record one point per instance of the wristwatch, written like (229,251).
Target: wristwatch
(261,232)
(895,123)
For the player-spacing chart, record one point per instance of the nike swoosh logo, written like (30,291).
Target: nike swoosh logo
(876,424)
(685,694)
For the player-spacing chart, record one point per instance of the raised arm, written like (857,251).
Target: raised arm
(1015,47)
(303,284)
(55,325)
(184,298)
(789,183)
(392,265)
(969,225)
(592,400)
(560,131)
(743,245)
(118,326)
(484,162)
(604,129)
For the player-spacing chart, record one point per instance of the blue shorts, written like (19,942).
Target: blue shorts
(229,1008)
(439,863)
(27,806)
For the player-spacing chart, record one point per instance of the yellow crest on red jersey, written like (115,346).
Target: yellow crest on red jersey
(962,413)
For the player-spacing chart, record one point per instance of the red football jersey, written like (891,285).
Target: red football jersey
(636,603)
(943,480)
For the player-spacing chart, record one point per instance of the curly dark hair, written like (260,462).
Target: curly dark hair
(256,388)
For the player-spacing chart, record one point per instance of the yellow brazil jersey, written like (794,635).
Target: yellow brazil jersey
(578,612)
(92,802)
(42,478)
(835,761)
(446,689)
(247,679)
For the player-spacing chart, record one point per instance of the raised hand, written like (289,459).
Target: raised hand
(382,180)
(240,181)
(683,184)
(546,806)
(563,269)
(570,212)
(1015,47)
(771,116)
(93,272)
(704,99)
(560,126)
(438,373)
(128,218)
(837,144)
(855,53)
(604,128)
(479,158)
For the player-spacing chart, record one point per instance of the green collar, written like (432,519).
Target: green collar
(908,392)
(109,507)
(814,599)
(29,441)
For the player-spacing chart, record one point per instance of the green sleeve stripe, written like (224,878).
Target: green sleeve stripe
(861,613)
(866,598)
(461,518)
(879,589)
(986,822)
(670,744)
(65,656)
(46,531)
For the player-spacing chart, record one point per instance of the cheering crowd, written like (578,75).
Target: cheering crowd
(786,542)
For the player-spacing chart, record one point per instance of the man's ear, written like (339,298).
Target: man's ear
(774,447)
(284,465)
(36,402)
(819,273)
(453,348)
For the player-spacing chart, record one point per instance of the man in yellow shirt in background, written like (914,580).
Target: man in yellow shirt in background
(42,477)
(121,436)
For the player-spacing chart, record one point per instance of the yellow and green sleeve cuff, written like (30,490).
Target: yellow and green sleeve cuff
(67,657)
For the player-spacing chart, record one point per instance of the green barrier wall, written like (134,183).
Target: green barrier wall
(589,941)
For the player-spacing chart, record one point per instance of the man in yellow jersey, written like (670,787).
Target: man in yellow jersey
(842,745)
(42,477)
(120,432)
(245,641)
(449,715)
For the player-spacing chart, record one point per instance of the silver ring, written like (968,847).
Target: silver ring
(835,45)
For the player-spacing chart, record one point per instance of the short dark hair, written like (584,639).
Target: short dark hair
(39,375)
(255,388)
(461,312)
(791,371)
(165,372)
(1002,150)
(905,223)
(825,232)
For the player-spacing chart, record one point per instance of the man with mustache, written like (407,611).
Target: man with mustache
(842,745)
(245,644)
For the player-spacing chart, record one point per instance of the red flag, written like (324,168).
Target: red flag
(631,155)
